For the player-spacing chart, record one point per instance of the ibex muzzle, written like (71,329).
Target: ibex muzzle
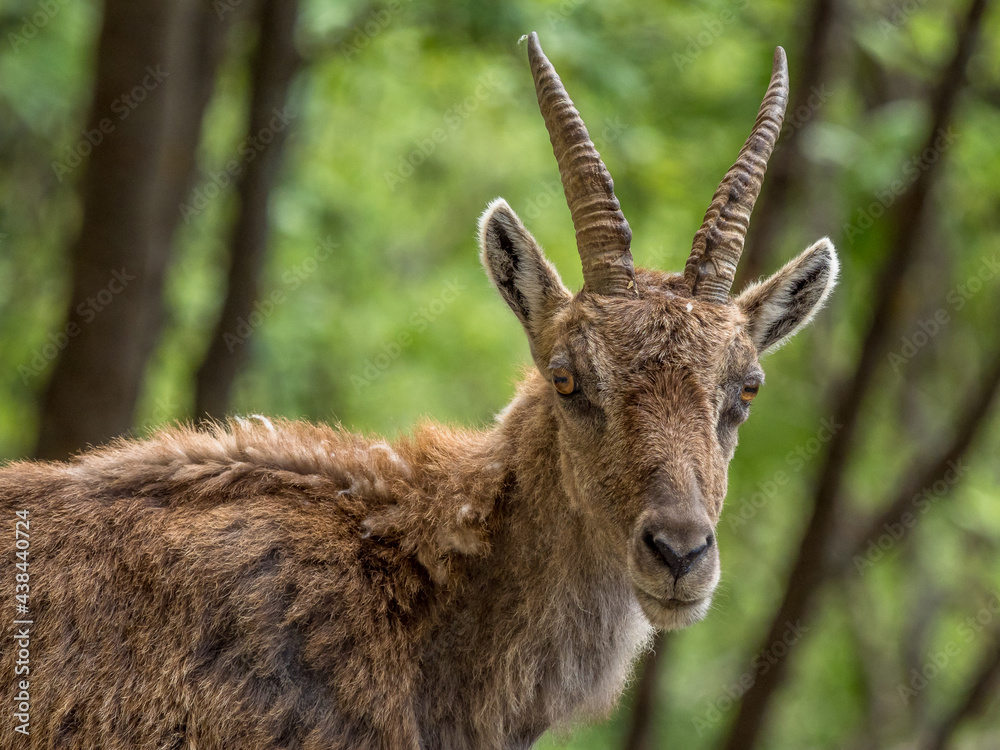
(674,560)
(652,373)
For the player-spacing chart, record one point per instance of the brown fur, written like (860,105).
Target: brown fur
(295,586)
(262,586)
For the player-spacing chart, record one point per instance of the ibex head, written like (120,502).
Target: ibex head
(651,373)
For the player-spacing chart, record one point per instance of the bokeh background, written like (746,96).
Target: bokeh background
(269,206)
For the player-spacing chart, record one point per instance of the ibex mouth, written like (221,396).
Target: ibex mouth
(672,613)
(679,603)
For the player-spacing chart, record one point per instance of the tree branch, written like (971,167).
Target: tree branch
(975,699)
(274,66)
(640,733)
(873,665)
(315,48)
(809,570)
(926,472)
(787,170)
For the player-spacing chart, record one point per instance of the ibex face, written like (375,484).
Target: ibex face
(651,374)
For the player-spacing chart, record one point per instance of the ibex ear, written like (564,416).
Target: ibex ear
(781,305)
(518,269)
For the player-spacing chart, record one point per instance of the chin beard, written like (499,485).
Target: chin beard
(673,614)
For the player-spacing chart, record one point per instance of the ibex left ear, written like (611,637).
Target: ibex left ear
(515,264)
(780,306)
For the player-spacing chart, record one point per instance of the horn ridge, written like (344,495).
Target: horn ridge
(603,236)
(718,244)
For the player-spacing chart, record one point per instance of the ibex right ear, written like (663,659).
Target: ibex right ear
(780,306)
(518,269)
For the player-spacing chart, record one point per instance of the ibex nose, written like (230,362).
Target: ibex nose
(678,561)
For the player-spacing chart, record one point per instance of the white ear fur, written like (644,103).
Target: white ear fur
(780,306)
(515,264)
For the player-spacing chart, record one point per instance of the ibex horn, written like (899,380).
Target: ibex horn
(718,245)
(603,236)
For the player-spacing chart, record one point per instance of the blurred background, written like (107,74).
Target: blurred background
(269,206)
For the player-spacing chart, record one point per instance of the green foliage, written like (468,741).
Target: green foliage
(411,119)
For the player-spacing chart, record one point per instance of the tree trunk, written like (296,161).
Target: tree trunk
(641,732)
(144,123)
(811,566)
(274,66)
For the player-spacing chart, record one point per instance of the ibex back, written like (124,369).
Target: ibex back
(286,585)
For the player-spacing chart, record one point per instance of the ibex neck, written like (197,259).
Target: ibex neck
(545,489)
(544,624)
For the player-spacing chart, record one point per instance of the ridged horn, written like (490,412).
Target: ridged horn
(718,245)
(603,236)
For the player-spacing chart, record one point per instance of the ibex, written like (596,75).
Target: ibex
(287,585)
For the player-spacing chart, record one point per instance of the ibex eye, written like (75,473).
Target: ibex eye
(562,379)
(750,389)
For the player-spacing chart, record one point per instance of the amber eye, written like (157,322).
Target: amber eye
(562,379)
(750,389)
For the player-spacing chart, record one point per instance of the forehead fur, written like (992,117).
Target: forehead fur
(664,326)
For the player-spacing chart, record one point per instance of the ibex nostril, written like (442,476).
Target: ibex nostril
(677,564)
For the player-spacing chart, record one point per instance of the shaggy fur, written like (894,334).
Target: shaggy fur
(288,585)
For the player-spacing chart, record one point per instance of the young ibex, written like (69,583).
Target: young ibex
(288,585)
